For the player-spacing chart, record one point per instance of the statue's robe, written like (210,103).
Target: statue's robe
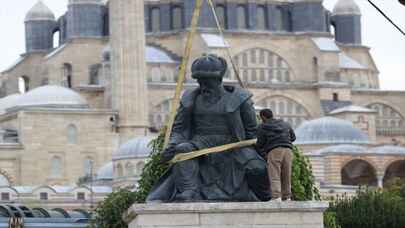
(236,175)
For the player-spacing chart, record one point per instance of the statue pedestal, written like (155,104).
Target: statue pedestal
(228,215)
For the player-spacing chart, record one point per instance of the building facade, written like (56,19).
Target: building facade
(96,83)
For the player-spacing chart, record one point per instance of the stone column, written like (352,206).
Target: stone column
(127,38)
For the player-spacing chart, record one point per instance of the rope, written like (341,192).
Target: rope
(183,71)
(386,17)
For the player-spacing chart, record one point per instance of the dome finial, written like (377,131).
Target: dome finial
(346,7)
(40,12)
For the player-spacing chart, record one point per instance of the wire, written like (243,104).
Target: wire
(386,17)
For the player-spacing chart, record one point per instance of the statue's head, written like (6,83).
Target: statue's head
(209,70)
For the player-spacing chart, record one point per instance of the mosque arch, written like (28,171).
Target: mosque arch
(129,169)
(23,84)
(395,170)
(359,172)
(260,65)
(286,108)
(389,121)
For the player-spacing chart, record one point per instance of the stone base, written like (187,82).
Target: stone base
(228,215)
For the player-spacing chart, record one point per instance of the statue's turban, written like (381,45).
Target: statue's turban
(209,66)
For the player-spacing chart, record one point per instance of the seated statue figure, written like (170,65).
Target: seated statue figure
(209,116)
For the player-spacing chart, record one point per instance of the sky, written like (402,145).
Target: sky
(387,44)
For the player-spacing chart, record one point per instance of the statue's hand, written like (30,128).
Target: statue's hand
(184,148)
(167,155)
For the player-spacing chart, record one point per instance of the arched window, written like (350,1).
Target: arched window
(358,173)
(395,170)
(23,84)
(261,18)
(67,75)
(88,166)
(4,181)
(389,122)
(139,167)
(56,167)
(286,109)
(221,13)
(120,170)
(266,67)
(161,114)
(72,134)
(129,169)
(279,19)
(177,17)
(95,71)
(155,19)
(242,17)
(56,38)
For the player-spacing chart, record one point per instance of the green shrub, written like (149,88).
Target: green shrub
(303,187)
(329,220)
(396,186)
(369,209)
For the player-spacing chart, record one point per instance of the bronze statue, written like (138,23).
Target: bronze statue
(213,115)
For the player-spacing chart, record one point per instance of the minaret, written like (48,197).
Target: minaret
(347,21)
(130,94)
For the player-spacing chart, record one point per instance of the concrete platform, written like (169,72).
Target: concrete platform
(228,215)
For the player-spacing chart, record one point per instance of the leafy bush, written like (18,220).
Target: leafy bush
(370,209)
(329,220)
(109,213)
(396,186)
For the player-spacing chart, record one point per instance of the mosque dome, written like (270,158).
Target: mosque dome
(134,148)
(346,7)
(347,148)
(330,130)
(40,12)
(105,172)
(8,102)
(52,96)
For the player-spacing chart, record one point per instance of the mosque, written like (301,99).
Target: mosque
(95,85)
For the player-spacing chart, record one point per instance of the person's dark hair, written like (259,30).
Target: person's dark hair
(266,113)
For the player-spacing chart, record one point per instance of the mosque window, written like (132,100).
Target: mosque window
(358,173)
(23,84)
(261,18)
(43,196)
(88,165)
(56,167)
(72,134)
(286,109)
(81,196)
(258,65)
(120,170)
(67,75)
(177,17)
(5,196)
(155,19)
(279,19)
(389,122)
(242,17)
(335,97)
(56,38)
(129,169)
(221,13)
(155,74)
(160,114)
(95,74)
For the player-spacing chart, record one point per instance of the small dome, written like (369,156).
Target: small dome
(351,149)
(330,130)
(346,7)
(52,96)
(105,172)
(8,102)
(388,149)
(98,2)
(40,12)
(134,148)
